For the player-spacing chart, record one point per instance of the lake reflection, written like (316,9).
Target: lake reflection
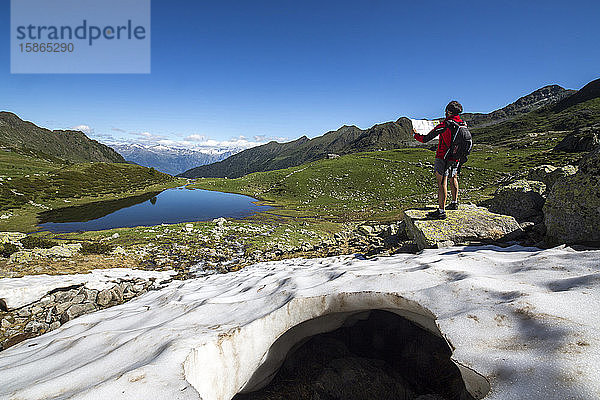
(170,207)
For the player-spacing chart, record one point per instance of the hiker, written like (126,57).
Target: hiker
(447,161)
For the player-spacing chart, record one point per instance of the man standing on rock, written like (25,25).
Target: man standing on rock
(445,167)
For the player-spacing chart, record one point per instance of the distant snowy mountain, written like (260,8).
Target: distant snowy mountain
(172,160)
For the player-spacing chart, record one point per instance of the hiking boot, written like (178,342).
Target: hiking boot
(452,206)
(437,214)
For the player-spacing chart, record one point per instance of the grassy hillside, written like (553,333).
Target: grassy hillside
(579,110)
(69,145)
(542,97)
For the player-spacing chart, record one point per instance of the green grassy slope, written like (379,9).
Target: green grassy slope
(541,97)
(579,110)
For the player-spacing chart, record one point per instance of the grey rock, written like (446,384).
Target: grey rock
(46,300)
(104,297)
(138,287)
(62,307)
(90,295)
(581,140)
(550,174)
(467,224)
(79,298)
(520,199)
(24,312)
(572,210)
(36,310)
(64,296)
(117,293)
(366,230)
(76,310)
(48,318)
(35,326)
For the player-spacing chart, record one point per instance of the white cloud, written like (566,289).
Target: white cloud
(195,138)
(83,128)
(194,141)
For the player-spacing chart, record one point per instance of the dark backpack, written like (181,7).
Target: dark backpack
(461,142)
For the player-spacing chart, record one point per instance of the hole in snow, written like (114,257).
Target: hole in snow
(375,355)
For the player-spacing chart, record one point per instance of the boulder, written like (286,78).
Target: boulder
(584,139)
(76,310)
(550,174)
(467,224)
(590,164)
(572,210)
(520,199)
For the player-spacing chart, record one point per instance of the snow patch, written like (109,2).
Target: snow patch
(524,319)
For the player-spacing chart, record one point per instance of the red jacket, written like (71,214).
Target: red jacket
(445,136)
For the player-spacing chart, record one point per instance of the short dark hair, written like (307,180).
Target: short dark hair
(454,107)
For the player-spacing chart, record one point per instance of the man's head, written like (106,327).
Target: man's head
(453,108)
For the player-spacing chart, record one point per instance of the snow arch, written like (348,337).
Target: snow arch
(246,358)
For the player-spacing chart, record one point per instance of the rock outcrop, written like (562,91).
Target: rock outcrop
(581,140)
(467,224)
(550,174)
(572,209)
(521,199)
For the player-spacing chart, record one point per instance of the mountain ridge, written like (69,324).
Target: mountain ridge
(549,94)
(168,159)
(346,139)
(71,145)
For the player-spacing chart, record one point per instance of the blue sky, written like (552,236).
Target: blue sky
(282,69)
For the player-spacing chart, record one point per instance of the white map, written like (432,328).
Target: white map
(423,126)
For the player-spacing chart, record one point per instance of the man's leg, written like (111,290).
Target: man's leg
(454,188)
(442,190)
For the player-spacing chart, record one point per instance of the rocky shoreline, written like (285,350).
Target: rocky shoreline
(64,303)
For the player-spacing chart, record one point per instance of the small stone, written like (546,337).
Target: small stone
(80,298)
(64,296)
(36,310)
(48,317)
(104,297)
(24,312)
(90,295)
(365,230)
(5,324)
(46,300)
(54,325)
(137,287)
(76,310)
(35,326)
(62,307)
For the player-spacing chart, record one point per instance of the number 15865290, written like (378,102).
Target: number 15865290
(47,47)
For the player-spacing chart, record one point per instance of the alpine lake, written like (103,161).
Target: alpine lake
(171,206)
